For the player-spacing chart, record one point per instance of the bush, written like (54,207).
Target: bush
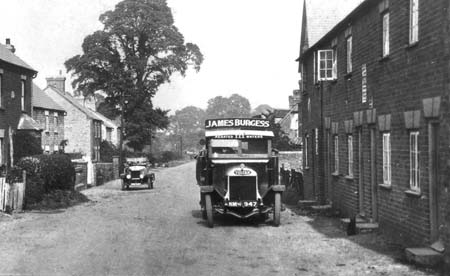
(74,155)
(57,171)
(26,144)
(167,156)
(48,172)
(107,151)
(35,189)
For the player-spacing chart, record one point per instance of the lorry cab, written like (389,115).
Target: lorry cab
(238,171)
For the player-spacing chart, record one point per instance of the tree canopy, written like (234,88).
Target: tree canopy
(189,122)
(233,106)
(137,51)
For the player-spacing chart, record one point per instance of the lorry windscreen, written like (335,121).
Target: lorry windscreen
(235,146)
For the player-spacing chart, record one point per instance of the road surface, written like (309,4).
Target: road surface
(161,232)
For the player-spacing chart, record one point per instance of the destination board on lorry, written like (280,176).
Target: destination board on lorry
(237,123)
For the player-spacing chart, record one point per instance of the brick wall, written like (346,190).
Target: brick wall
(395,85)
(55,133)
(10,106)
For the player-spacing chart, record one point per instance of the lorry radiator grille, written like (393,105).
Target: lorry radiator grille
(242,188)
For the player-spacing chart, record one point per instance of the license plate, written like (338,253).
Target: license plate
(241,204)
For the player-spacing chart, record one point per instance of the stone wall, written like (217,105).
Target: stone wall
(104,172)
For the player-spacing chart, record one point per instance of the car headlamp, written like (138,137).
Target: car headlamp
(128,176)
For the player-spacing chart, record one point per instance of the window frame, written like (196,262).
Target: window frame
(324,58)
(387,158)
(1,88)
(2,146)
(350,155)
(305,148)
(414,166)
(349,53)
(22,95)
(413,21)
(336,154)
(47,121)
(385,27)
(55,122)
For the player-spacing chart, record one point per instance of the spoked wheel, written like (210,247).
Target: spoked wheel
(209,211)
(277,209)
(150,184)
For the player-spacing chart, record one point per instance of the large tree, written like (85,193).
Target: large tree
(233,106)
(138,50)
(189,122)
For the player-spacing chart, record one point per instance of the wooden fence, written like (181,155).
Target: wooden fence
(12,195)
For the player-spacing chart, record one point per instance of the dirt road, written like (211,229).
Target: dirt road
(160,232)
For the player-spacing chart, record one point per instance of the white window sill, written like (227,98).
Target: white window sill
(335,174)
(412,44)
(385,186)
(349,177)
(414,193)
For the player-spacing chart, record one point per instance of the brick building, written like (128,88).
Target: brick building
(15,99)
(50,117)
(375,116)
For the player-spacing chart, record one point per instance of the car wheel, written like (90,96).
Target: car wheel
(150,184)
(277,209)
(209,211)
(123,185)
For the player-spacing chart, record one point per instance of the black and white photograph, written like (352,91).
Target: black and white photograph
(225,137)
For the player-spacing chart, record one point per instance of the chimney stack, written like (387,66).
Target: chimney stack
(9,46)
(58,82)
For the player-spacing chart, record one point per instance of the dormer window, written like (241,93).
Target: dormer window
(325,65)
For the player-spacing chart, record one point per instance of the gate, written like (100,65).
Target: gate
(11,195)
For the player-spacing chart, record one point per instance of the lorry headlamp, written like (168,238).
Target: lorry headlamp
(128,176)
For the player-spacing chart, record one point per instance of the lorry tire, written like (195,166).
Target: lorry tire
(209,211)
(277,209)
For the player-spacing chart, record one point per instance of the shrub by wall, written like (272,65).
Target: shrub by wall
(35,188)
(107,151)
(57,171)
(26,144)
(46,173)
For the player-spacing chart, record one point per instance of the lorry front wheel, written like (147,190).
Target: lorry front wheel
(209,211)
(277,209)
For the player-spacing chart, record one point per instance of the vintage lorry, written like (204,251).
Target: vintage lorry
(237,170)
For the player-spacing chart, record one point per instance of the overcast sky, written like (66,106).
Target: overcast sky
(250,46)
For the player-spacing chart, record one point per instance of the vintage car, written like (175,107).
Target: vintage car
(238,171)
(137,172)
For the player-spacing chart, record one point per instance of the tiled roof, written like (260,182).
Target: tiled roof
(42,100)
(280,113)
(90,113)
(108,122)
(7,56)
(322,16)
